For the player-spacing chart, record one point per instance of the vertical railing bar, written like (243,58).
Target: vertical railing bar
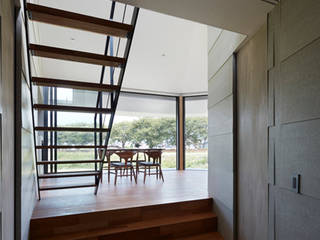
(55,132)
(45,152)
(51,132)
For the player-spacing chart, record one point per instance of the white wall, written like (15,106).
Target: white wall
(221,45)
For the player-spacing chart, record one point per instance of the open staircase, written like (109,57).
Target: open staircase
(112,30)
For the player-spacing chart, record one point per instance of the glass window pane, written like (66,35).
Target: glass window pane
(196,132)
(145,121)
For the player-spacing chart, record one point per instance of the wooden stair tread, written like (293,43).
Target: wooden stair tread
(68,162)
(204,236)
(140,225)
(49,82)
(72,129)
(78,21)
(68,146)
(69,174)
(48,188)
(65,108)
(76,56)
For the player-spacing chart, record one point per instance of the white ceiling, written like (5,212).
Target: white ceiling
(242,16)
(168,54)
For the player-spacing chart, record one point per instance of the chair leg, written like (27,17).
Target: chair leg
(134,175)
(145,174)
(116,175)
(137,168)
(157,172)
(131,174)
(161,174)
(149,171)
(109,174)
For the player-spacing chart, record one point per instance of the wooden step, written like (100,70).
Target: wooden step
(78,21)
(152,229)
(69,146)
(69,174)
(205,236)
(49,82)
(76,56)
(71,129)
(43,228)
(68,162)
(64,108)
(49,188)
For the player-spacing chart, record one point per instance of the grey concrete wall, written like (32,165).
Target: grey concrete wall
(7,111)
(252,177)
(294,119)
(220,120)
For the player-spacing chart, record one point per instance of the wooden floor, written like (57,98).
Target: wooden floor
(178,186)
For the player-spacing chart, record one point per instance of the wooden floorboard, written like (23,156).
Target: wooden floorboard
(50,82)
(78,21)
(76,56)
(67,108)
(178,186)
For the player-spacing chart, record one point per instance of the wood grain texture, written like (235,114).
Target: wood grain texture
(67,108)
(78,21)
(179,186)
(76,56)
(71,129)
(69,146)
(49,82)
(253,139)
(171,210)
(69,174)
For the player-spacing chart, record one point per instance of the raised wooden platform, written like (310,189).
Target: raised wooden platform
(178,186)
(175,210)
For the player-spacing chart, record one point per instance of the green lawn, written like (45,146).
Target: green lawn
(197,159)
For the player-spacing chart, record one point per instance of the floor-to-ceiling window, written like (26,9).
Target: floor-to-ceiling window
(141,121)
(146,121)
(196,132)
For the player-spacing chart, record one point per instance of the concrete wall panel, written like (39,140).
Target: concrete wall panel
(298,153)
(222,112)
(252,138)
(300,85)
(220,85)
(299,25)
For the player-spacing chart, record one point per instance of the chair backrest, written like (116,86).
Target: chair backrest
(126,155)
(155,155)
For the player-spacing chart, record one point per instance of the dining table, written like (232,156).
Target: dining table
(138,151)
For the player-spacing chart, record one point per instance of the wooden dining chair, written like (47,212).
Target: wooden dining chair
(154,162)
(124,167)
(139,160)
